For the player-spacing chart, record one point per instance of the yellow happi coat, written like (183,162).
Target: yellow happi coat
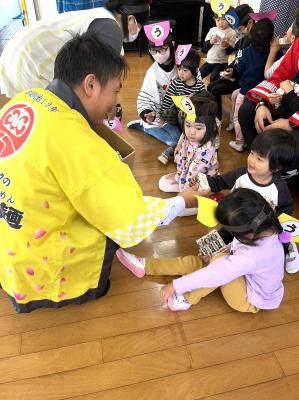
(63,191)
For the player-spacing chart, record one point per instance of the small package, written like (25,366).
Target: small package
(203,181)
(211,243)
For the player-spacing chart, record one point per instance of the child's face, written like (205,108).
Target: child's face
(258,166)
(195,131)
(221,23)
(184,73)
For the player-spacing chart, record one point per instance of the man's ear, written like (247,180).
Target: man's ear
(89,83)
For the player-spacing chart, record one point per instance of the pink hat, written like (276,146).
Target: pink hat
(262,15)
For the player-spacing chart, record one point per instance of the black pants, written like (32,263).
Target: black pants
(220,87)
(246,119)
(213,69)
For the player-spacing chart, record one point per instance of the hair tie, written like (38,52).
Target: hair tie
(285,237)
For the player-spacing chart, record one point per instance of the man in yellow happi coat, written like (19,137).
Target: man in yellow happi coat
(66,200)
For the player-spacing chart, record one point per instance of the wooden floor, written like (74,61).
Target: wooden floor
(128,346)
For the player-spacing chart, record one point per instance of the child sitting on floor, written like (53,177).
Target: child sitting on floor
(189,81)
(249,274)
(196,152)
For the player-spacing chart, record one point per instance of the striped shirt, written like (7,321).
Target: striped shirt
(179,88)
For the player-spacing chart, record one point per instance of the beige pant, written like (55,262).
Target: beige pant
(234,292)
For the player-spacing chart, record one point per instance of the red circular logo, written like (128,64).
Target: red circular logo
(15,127)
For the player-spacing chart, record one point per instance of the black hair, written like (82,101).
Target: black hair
(278,145)
(243,11)
(295,25)
(261,35)
(205,109)
(138,8)
(246,208)
(192,61)
(85,54)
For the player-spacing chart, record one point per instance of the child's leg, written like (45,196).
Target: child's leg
(168,184)
(196,295)
(168,134)
(238,131)
(234,98)
(235,294)
(206,69)
(172,265)
(216,71)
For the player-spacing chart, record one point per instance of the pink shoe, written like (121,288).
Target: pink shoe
(178,303)
(135,264)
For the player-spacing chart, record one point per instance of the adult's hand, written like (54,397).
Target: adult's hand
(189,197)
(262,113)
(281,123)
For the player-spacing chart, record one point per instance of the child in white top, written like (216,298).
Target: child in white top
(219,43)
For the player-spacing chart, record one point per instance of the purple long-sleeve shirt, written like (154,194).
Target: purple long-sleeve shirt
(262,265)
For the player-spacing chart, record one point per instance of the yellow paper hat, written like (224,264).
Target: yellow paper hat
(185,104)
(206,211)
(290,225)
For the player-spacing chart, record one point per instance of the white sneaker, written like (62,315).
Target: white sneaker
(166,155)
(237,146)
(135,124)
(135,264)
(178,303)
(230,127)
(292,259)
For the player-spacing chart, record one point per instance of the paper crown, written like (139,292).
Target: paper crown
(182,52)
(262,15)
(206,211)
(232,18)
(185,104)
(220,6)
(157,32)
(290,225)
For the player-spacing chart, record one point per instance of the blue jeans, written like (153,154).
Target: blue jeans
(168,134)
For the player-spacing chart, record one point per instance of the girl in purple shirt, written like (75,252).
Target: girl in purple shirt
(249,273)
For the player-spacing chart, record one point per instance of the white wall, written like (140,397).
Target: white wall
(255,4)
(45,8)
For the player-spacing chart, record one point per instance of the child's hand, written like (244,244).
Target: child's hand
(275,46)
(205,258)
(224,44)
(286,86)
(161,123)
(227,73)
(275,98)
(166,291)
(177,149)
(150,117)
(214,39)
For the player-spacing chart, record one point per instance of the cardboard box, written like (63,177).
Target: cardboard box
(118,143)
